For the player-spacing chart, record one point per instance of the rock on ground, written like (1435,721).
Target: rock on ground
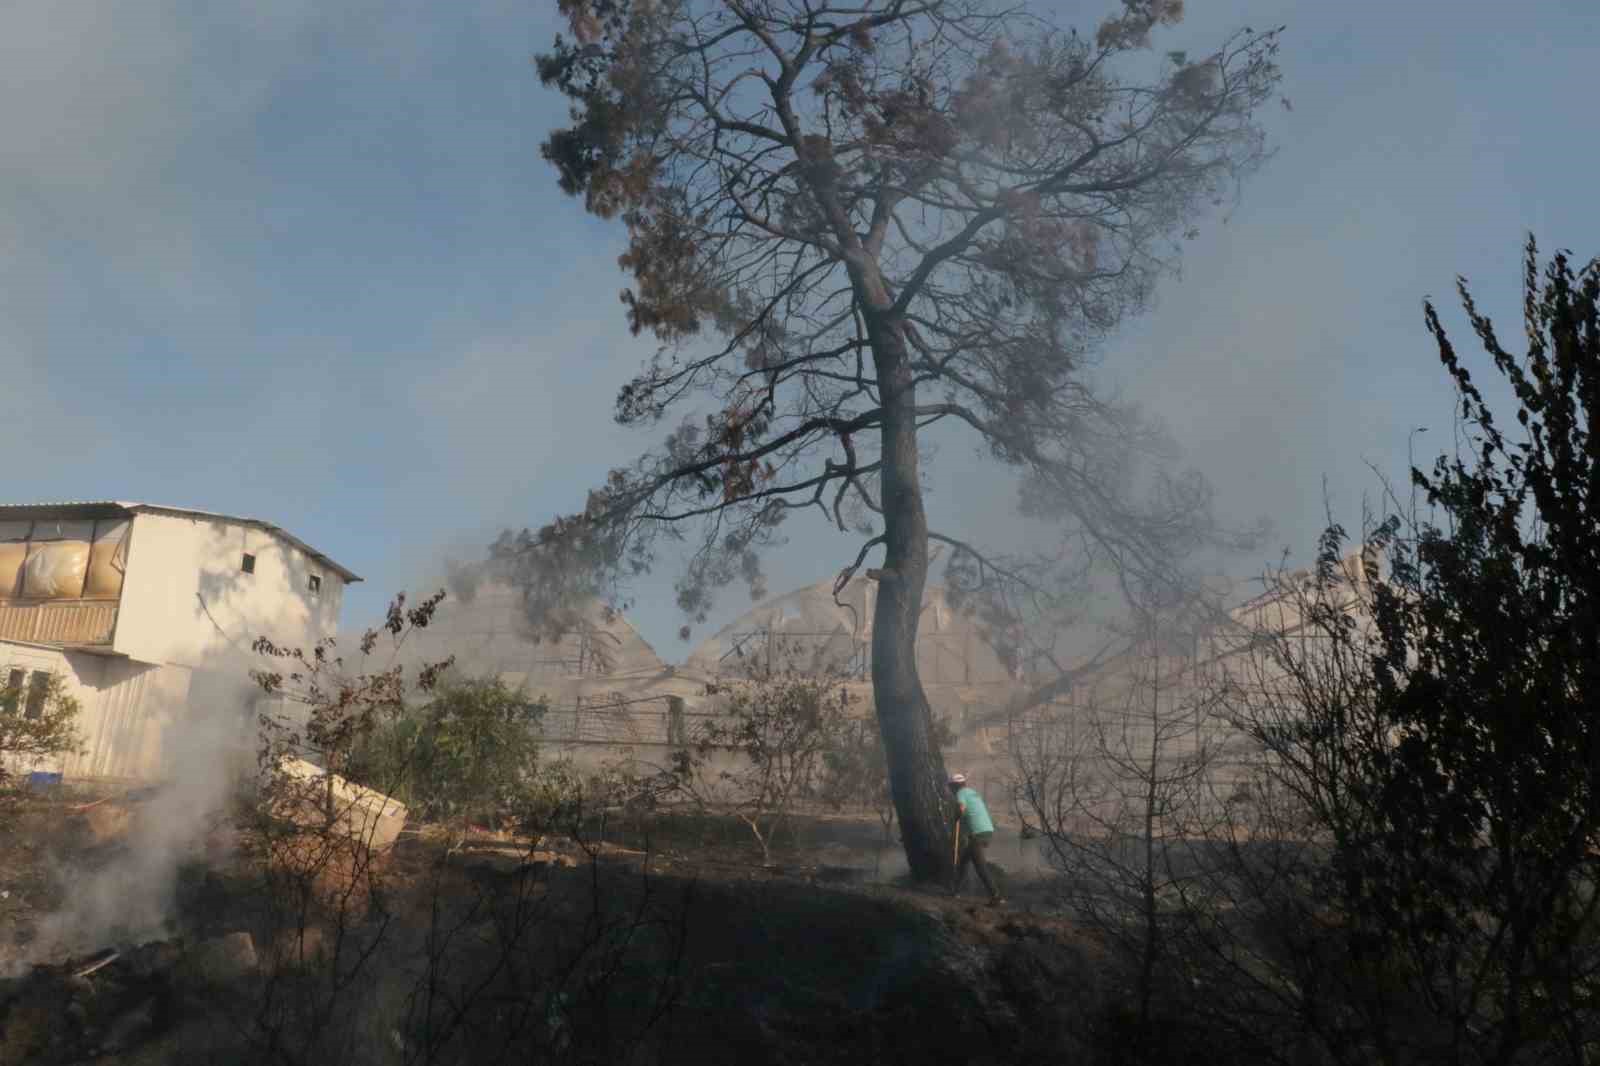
(223,959)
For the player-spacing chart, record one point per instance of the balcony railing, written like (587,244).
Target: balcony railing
(71,622)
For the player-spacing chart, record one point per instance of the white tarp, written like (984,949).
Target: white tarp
(55,569)
(108,560)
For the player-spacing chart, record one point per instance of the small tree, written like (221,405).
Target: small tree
(38,722)
(779,724)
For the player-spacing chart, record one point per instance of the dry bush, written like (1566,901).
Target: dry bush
(439,957)
(416,952)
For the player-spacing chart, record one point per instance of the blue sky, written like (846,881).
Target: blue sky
(302,261)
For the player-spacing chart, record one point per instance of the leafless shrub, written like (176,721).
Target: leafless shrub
(1117,783)
(759,756)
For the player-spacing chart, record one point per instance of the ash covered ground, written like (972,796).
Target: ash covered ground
(660,941)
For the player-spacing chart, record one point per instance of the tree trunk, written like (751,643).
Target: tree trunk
(916,766)
(1152,797)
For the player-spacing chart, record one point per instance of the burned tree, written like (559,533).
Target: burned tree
(891,216)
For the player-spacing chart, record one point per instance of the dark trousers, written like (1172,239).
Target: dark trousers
(975,853)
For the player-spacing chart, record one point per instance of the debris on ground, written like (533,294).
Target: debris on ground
(365,816)
(776,950)
(106,821)
(114,1001)
(526,853)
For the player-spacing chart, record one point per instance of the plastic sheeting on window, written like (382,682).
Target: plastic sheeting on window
(11,556)
(55,570)
(108,560)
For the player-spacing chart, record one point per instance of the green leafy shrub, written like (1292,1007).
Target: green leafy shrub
(38,722)
(470,752)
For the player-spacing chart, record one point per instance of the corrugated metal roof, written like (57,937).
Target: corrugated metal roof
(44,504)
(103,508)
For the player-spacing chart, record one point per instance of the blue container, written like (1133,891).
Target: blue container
(41,781)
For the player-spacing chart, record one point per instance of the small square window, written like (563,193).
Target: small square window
(314,583)
(248,563)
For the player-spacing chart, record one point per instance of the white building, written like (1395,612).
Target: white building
(148,613)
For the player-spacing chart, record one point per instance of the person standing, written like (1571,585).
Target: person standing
(977,829)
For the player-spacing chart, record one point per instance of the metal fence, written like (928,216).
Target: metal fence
(662,721)
(652,720)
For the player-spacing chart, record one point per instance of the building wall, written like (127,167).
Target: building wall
(128,709)
(129,724)
(185,598)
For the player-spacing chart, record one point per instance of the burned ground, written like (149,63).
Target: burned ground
(661,943)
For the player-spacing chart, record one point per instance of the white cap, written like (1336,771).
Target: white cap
(958,779)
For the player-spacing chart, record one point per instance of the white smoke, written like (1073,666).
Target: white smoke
(133,897)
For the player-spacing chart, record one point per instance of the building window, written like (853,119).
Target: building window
(314,583)
(38,690)
(13,689)
(248,563)
(63,559)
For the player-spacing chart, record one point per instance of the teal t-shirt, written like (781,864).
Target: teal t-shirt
(977,816)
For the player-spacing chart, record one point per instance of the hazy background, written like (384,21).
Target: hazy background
(302,261)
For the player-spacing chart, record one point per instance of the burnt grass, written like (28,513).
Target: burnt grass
(665,940)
